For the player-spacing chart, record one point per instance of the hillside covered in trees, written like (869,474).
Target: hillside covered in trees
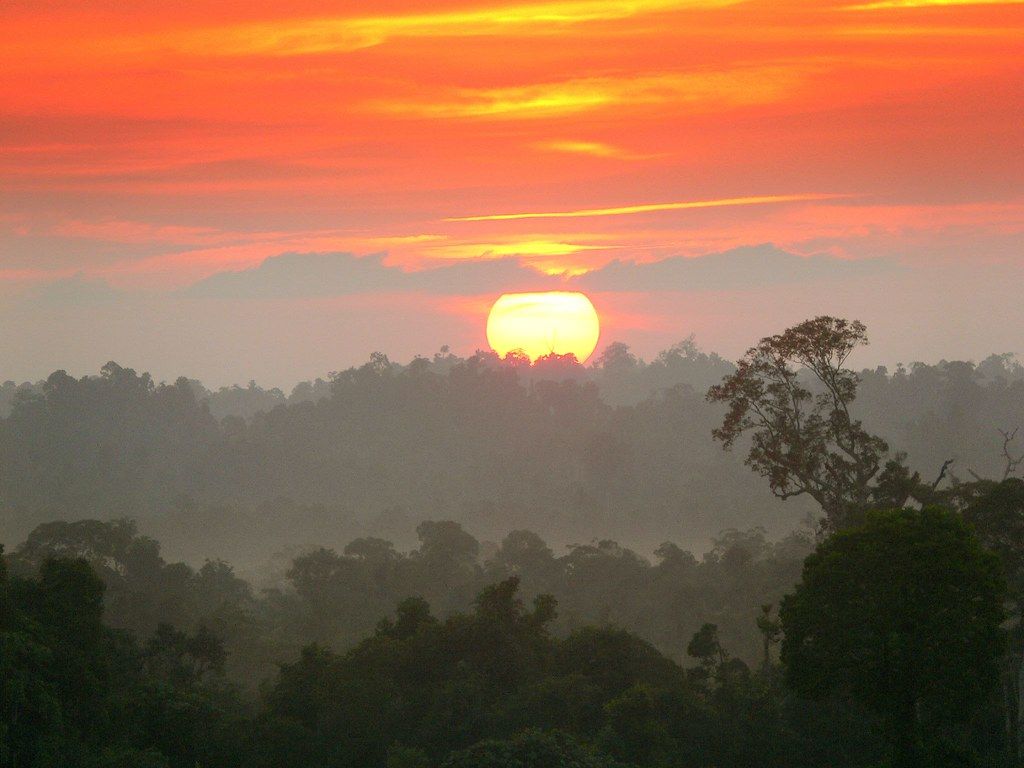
(452,564)
(96,675)
(620,449)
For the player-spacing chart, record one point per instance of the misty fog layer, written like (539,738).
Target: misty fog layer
(619,449)
(465,562)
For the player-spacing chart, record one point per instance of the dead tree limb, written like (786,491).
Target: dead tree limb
(942,472)
(1012,462)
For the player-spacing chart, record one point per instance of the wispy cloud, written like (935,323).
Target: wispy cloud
(340,35)
(652,207)
(521,248)
(927,4)
(310,274)
(545,254)
(591,148)
(697,90)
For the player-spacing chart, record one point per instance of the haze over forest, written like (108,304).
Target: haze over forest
(283,570)
(295,315)
(620,448)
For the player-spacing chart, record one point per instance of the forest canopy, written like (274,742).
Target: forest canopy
(621,448)
(482,562)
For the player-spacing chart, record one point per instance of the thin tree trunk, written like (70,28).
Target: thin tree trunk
(1020,711)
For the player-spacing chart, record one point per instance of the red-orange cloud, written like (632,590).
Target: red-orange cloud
(178,140)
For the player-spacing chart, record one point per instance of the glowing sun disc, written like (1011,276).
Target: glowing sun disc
(537,324)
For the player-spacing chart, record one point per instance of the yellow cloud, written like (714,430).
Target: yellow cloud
(593,148)
(651,207)
(339,35)
(697,90)
(522,248)
(404,239)
(927,4)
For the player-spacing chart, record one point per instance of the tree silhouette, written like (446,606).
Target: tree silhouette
(902,614)
(792,393)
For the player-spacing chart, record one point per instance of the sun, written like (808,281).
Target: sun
(539,324)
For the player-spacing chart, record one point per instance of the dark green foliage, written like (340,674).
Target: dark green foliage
(338,599)
(511,653)
(902,615)
(142,591)
(440,687)
(996,510)
(406,757)
(530,749)
(75,693)
(492,686)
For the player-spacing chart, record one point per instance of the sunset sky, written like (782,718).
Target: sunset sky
(274,190)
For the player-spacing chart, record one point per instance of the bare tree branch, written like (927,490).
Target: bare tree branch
(942,472)
(1012,462)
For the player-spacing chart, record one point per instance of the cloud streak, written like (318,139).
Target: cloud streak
(341,274)
(626,210)
(303,37)
(688,91)
(884,4)
(591,148)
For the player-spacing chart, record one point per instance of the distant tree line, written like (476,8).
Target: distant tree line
(887,633)
(335,598)
(621,446)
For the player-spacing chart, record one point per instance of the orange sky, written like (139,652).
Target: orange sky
(152,145)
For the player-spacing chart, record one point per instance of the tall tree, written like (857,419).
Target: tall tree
(792,393)
(901,614)
(996,510)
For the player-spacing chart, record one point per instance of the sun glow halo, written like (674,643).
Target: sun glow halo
(538,324)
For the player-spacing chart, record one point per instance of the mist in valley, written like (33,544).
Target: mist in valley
(252,540)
